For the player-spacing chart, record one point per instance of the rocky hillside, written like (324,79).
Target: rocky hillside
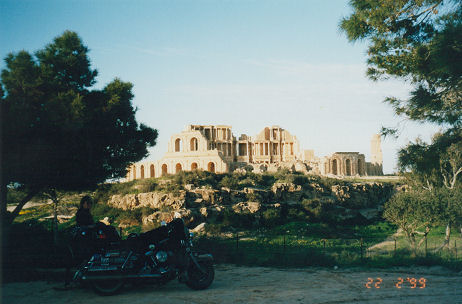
(313,201)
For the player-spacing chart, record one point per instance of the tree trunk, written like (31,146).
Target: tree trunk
(21,204)
(412,242)
(3,202)
(55,200)
(446,238)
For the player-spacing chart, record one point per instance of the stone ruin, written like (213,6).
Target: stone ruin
(214,148)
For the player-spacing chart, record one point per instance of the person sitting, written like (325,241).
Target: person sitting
(83,216)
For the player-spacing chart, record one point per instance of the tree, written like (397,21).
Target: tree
(438,164)
(60,134)
(411,211)
(419,41)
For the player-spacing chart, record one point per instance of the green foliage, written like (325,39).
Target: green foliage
(412,212)
(272,217)
(319,209)
(230,181)
(436,164)
(418,41)
(60,133)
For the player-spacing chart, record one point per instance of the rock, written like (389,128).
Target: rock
(204,212)
(237,196)
(259,168)
(240,171)
(287,192)
(155,200)
(300,166)
(186,215)
(212,211)
(247,207)
(199,228)
(189,187)
(124,202)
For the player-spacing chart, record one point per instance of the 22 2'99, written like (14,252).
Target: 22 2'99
(412,282)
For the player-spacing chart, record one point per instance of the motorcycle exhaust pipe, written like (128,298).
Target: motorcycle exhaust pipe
(121,277)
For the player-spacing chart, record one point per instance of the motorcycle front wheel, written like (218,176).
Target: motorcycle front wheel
(198,279)
(107,287)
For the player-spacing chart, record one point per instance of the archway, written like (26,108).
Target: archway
(194,166)
(177,145)
(151,169)
(334,167)
(178,168)
(211,167)
(134,172)
(348,167)
(193,144)
(142,171)
(360,167)
(164,169)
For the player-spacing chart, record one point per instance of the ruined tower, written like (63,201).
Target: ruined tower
(376,150)
(376,164)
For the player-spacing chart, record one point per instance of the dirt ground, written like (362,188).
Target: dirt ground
(235,284)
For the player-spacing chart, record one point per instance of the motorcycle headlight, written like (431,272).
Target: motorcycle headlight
(161,256)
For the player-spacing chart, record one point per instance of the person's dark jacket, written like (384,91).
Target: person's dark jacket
(84,218)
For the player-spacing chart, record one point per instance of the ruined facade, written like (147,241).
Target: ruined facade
(214,148)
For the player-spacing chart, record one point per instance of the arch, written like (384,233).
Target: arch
(142,171)
(348,166)
(193,144)
(134,172)
(178,168)
(152,171)
(177,145)
(194,166)
(164,169)
(211,167)
(334,167)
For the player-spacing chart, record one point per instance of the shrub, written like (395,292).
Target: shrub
(272,217)
(230,181)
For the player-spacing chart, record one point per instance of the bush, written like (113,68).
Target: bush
(229,181)
(272,218)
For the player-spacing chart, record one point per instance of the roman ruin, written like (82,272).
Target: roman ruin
(214,148)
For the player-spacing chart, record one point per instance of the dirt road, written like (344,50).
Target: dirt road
(266,285)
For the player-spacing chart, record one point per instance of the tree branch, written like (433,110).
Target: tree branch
(21,204)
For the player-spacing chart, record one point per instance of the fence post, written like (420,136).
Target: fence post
(455,247)
(284,250)
(237,241)
(361,248)
(425,245)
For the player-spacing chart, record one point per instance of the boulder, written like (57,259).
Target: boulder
(199,228)
(287,192)
(300,166)
(247,207)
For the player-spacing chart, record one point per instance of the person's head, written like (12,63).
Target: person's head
(86,202)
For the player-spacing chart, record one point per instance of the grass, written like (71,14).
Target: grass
(306,244)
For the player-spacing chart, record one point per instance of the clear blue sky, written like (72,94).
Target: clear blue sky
(248,64)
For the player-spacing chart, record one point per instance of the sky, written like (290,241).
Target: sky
(248,64)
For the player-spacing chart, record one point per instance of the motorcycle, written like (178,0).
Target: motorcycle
(157,256)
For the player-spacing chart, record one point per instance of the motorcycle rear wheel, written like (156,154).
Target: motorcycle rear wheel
(107,287)
(199,280)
